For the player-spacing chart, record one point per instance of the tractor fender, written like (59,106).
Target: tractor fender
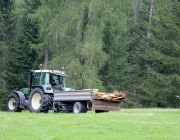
(41,87)
(21,98)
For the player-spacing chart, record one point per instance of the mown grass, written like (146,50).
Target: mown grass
(127,124)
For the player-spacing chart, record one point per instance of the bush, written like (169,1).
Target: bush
(129,103)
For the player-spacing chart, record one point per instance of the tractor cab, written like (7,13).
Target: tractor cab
(49,80)
(53,79)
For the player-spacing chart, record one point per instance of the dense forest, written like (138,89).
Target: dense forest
(131,46)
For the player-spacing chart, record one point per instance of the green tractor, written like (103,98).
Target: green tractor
(46,91)
(39,94)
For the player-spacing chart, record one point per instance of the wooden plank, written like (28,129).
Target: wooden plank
(116,96)
(105,105)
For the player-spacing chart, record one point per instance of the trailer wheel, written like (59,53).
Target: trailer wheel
(12,104)
(79,107)
(38,101)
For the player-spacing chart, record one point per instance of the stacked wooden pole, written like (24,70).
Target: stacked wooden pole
(116,96)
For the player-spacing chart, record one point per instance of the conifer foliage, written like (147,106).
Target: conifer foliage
(6,31)
(131,46)
(21,56)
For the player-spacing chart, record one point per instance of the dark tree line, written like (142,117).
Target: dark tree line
(130,46)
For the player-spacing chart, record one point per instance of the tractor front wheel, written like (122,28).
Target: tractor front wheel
(38,101)
(12,104)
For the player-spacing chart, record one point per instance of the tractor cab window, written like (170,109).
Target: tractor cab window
(56,81)
(61,83)
(39,79)
(36,80)
(61,80)
(43,77)
(51,79)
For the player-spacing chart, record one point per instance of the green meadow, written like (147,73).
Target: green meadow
(126,124)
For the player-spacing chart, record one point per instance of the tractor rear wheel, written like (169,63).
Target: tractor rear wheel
(38,101)
(13,102)
(79,107)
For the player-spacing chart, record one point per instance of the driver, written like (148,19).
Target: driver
(51,80)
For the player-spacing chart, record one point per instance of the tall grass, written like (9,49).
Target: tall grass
(127,124)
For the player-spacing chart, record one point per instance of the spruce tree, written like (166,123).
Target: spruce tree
(6,32)
(162,83)
(2,45)
(115,72)
(6,27)
(21,56)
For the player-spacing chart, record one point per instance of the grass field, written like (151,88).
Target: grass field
(127,124)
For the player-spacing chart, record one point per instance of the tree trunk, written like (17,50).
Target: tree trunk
(47,43)
(81,57)
(148,34)
(149,30)
(46,57)
(46,48)
(136,11)
(132,48)
(150,16)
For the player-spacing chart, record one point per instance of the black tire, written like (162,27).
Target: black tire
(13,103)
(101,111)
(38,101)
(79,107)
(50,99)
(55,108)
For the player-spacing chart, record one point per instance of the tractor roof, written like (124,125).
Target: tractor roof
(55,72)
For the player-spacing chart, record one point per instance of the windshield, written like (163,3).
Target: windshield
(57,81)
(39,79)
